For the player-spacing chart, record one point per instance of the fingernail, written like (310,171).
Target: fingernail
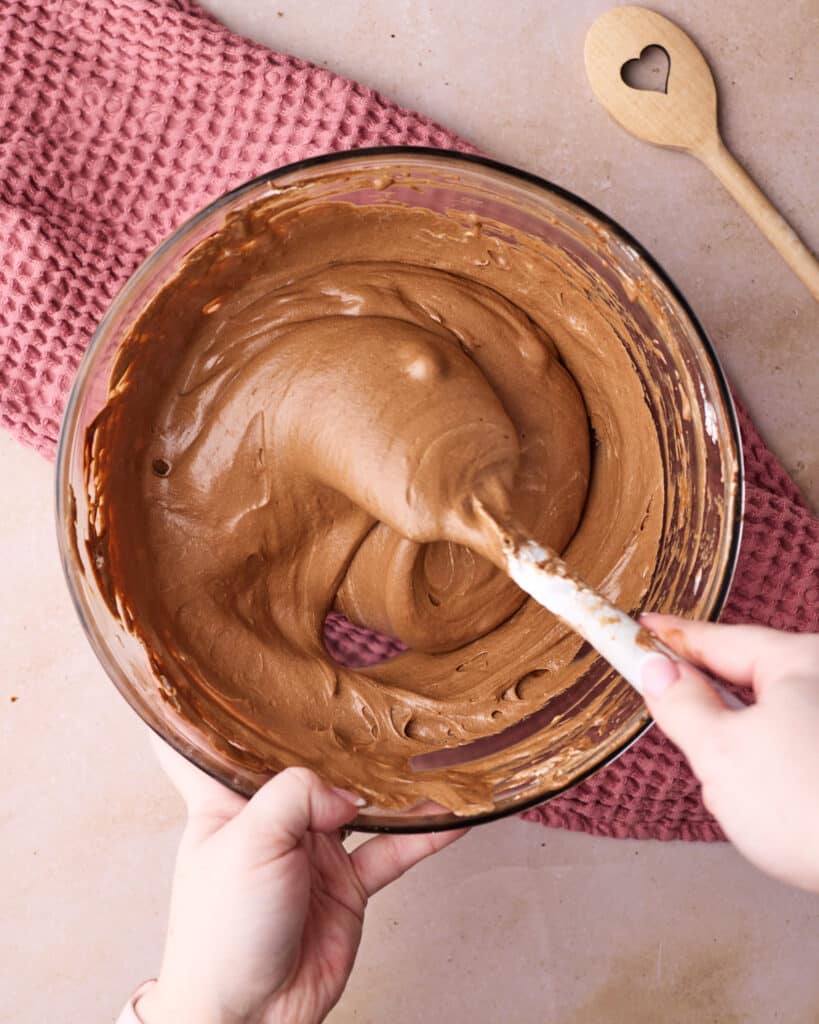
(352,798)
(658,674)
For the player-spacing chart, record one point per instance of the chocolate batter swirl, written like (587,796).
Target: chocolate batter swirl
(300,422)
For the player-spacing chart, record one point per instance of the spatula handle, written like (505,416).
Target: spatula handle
(621,640)
(718,159)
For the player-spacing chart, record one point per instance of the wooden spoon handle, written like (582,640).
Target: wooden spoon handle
(718,159)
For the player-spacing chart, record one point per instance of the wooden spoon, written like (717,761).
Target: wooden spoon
(683,116)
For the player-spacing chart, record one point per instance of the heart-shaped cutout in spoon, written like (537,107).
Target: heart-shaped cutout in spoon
(649,71)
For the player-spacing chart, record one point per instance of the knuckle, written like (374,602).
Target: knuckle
(292,786)
(298,776)
(394,859)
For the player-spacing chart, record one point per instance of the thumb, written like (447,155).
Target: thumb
(292,803)
(685,706)
(208,802)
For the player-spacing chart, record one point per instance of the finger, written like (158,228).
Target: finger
(381,860)
(685,706)
(292,803)
(204,797)
(742,654)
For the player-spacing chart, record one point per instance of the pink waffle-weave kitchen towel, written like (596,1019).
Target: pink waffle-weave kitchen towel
(121,118)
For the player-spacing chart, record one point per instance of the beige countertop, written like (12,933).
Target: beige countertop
(516,922)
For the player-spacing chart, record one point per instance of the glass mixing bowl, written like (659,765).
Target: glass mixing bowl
(690,402)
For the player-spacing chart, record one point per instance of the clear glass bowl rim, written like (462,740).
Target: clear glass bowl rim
(405,153)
